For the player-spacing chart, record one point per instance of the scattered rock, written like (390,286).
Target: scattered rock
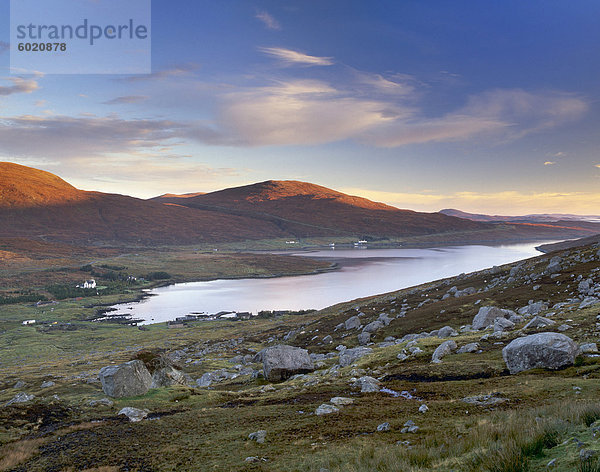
(326,409)
(341,401)
(589,301)
(589,348)
(168,376)
(383,427)
(126,380)
(134,414)
(373,326)
(258,436)
(47,384)
(547,350)
(19,384)
(367,384)
(447,347)
(539,322)
(446,332)
(503,324)
(423,409)
(352,322)
(409,427)
(349,356)
(281,362)
(101,402)
(327,339)
(20,398)
(364,338)
(467,348)
(485,400)
(487,314)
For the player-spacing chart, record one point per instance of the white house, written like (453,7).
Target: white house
(88,284)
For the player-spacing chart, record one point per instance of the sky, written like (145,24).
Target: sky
(487,107)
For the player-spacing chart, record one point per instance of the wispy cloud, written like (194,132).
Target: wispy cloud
(291,57)
(19,85)
(268,20)
(549,163)
(126,100)
(181,70)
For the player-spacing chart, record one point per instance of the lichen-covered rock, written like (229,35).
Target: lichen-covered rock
(364,338)
(168,376)
(352,323)
(447,347)
(545,350)
(134,414)
(487,314)
(349,356)
(281,362)
(126,380)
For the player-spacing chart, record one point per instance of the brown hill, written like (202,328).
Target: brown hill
(305,209)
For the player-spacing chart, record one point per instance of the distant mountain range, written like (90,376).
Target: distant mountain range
(535,218)
(38,204)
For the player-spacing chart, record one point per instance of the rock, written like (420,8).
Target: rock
(533,308)
(402,357)
(209,378)
(502,324)
(423,409)
(587,454)
(447,347)
(373,326)
(251,459)
(101,402)
(134,414)
(367,384)
(364,338)
(385,319)
(47,384)
(485,400)
(281,362)
(352,322)
(19,384)
(589,301)
(20,398)
(487,314)
(446,332)
(258,436)
(341,401)
(326,409)
(589,348)
(125,380)
(554,266)
(547,350)
(409,427)
(383,427)
(169,376)
(467,348)
(349,356)
(539,322)
(563,327)
(327,339)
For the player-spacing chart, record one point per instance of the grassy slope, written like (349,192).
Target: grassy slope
(207,429)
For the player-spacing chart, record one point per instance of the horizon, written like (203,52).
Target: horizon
(489,109)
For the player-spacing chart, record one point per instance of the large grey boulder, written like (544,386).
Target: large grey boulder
(169,376)
(125,380)
(446,332)
(447,347)
(487,314)
(281,362)
(539,322)
(364,338)
(352,323)
(349,356)
(546,350)
(533,308)
(502,324)
(373,326)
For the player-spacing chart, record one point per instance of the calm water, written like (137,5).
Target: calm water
(364,272)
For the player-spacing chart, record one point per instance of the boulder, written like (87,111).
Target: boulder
(589,348)
(446,332)
(341,401)
(373,326)
(134,414)
(326,409)
(533,308)
(367,384)
(383,427)
(281,362)
(447,347)
(349,356)
(47,384)
(589,301)
(364,338)
(327,339)
(125,380)
(168,376)
(352,322)
(502,324)
(20,398)
(467,348)
(487,314)
(546,350)
(539,322)
(258,436)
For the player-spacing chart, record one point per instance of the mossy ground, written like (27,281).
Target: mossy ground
(199,429)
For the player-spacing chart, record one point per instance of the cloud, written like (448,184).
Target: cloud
(597,165)
(268,20)
(181,70)
(4,46)
(19,85)
(67,137)
(290,57)
(126,100)
(512,202)
(299,112)
(549,163)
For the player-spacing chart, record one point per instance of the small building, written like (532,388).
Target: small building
(88,284)
(175,324)
(28,322)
